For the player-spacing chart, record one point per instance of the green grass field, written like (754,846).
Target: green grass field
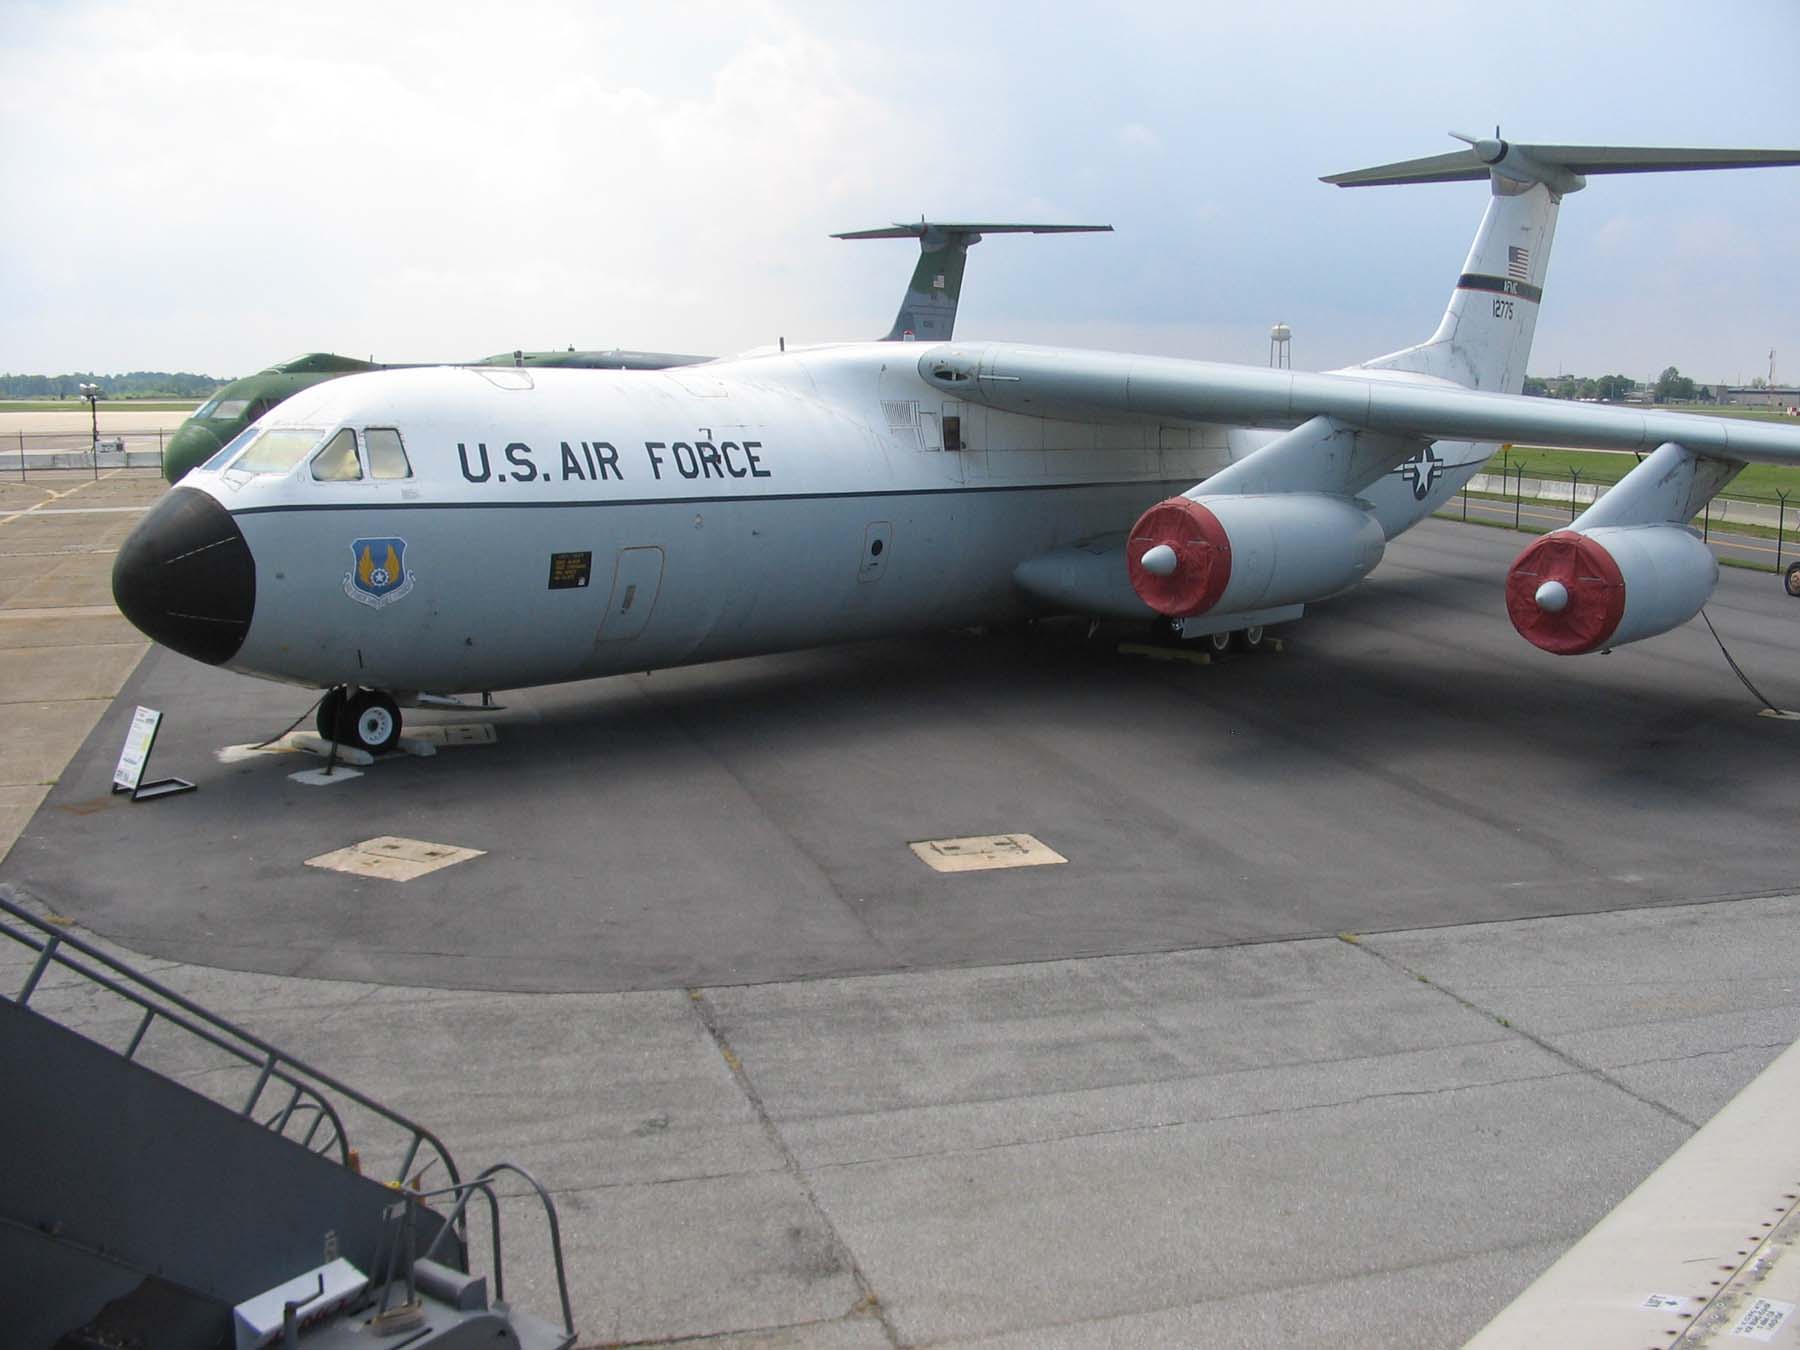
(1759,482)
(19,405)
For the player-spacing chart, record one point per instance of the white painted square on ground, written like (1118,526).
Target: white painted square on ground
(393,858)
(984,852)
(320,778)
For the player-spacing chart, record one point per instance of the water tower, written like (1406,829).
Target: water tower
(1279,337)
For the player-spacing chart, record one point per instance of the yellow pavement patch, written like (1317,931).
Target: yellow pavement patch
(393,858)
(984,852)
(1194,657)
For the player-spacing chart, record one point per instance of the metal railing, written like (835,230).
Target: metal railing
(79,451)
(458,1217)
(306,1099)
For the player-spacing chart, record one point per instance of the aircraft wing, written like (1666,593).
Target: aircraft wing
(1093,386)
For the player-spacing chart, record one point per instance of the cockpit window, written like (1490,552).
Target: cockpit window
(226,410)
(337,461)
(275,451)
(387,457)
(204,411)
(231,447)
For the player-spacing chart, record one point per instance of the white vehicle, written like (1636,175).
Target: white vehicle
(412,533)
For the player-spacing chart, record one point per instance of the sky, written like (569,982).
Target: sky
(216,187)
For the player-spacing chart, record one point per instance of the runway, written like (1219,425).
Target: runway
(1372,980)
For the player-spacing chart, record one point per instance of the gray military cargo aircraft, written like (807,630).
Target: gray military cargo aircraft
(400,536)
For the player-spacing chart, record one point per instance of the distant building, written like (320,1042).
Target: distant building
(1781,397)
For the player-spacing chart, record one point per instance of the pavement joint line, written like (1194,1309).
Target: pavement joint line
(868,1301)
(65,612)
(708,1338)
(1704,1054)
(1577,1064)
(1561,1240)
(85,510)
(58,496)
(1201,1122)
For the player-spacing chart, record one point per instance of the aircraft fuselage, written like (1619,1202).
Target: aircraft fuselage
(560,525)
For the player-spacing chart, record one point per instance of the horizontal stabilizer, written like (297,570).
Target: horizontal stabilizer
(1561,166)
(928,309)
(920,228)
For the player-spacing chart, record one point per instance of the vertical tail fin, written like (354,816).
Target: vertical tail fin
(1484,338)
(928,309)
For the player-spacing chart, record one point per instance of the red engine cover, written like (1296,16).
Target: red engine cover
(1202,553)
(1596,594)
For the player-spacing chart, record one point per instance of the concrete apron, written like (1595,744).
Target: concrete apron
(65,651)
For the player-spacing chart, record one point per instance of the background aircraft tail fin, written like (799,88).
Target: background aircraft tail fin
(928,309)
(1484,338)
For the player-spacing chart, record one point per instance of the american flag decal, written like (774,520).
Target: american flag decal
(1518,263)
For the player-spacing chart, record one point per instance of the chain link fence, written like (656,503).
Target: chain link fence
(1575,489)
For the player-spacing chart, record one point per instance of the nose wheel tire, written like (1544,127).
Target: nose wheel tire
(366,719)
(372,721)
(1792,579)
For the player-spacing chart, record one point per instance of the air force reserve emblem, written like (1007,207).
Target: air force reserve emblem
(377,574)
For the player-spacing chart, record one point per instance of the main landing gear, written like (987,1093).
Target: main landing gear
(1213,644)
(1243,640)
(364,718)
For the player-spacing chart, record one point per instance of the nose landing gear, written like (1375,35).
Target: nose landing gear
(367,719)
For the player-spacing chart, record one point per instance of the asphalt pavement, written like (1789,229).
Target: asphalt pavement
(1374,977)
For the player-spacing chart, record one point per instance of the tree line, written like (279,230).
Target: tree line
(1670,387)
(133,384)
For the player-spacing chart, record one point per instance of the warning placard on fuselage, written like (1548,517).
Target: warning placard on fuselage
(570,570)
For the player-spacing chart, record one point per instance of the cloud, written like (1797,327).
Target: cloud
(1136,136)
(205,184)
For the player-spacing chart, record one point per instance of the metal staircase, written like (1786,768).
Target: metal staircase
(230,1206)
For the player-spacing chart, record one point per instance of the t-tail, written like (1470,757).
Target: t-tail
(1484,339)
(928,310)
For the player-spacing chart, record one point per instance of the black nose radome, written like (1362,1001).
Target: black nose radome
(185,577)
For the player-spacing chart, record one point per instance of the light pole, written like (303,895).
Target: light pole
(91,392)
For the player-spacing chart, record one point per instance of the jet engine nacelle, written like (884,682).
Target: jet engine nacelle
(1572,592)
(1236,554)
